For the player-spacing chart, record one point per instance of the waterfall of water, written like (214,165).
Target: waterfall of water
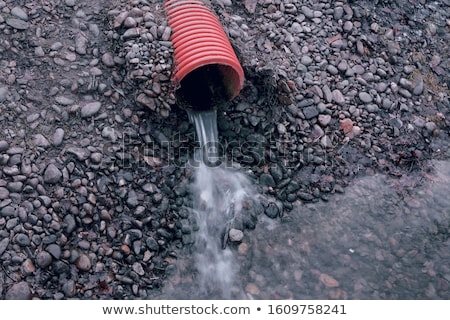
(219,196)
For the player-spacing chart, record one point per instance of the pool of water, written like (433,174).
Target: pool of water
(378,240)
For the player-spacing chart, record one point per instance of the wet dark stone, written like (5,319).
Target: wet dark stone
(54,250)
(277,172)
(152,244)
(272,210)
(70,223)
(267,180)
(22,240)
(305,196)
(43,259)
(310,112)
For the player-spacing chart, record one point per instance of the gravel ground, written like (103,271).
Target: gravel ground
(93,148)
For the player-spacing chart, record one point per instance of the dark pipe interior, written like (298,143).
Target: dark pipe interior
(204,88)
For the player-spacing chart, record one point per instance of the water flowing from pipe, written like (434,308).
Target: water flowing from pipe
(220,195)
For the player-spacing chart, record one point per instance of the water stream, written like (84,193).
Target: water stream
(220,195)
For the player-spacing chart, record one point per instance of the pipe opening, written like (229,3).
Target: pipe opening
(208,87)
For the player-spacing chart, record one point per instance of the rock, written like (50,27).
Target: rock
(281,129)
(272,210)
(328,280)
(310,112)
(83,263)
(52,174)
(235,235)
(4,193)
(3,245)
(19,291)
(90,109)
(22,240)
(418,86)
(267,180)
(338,97)
(324,119)
(108,59)
(54,250)
(65,101)
(80,153)
(17,24)
(43,259)
(40,141)
(80,44)
(3,93)
(365,97)
(146,101)
(346,125)
(28,267)
(58,137)
(308,12)
(18,12)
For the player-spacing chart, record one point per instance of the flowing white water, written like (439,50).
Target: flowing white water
(219,195)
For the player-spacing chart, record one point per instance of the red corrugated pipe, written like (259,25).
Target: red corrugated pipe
(207,72)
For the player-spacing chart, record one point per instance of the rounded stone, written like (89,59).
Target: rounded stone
(83,263)
(43,259)
(19,291)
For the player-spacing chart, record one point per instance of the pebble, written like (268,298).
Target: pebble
(83,262)
(43,259)
(17,24)
(108,59)
(310,112)
(58,137)
(52,174)
(19,13)
(19,291)
(338,97)
(365,97)
(90,109)
(324,119)
(3,93)
(235,235)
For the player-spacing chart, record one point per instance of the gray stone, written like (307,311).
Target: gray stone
(277,172)
(3,245)
(80,153)
(54,250)
(17,24)
(108,59)
(308,12)
(306,60)
(235,235)
(22,240)
(365,97)
(9,211)
(90,109)
(266,180)
(3,93)
(65,101)
(338,97)
(19,291)
(18,12)
(310,112)
(84,263)
(58,137)
(4,145)
(418,86)
(4,193)
(52,174)
(40,141)
(272,210)
(43,259)
(324,119)
(70,223)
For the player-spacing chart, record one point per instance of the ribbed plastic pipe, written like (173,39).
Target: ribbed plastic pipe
(207,71)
